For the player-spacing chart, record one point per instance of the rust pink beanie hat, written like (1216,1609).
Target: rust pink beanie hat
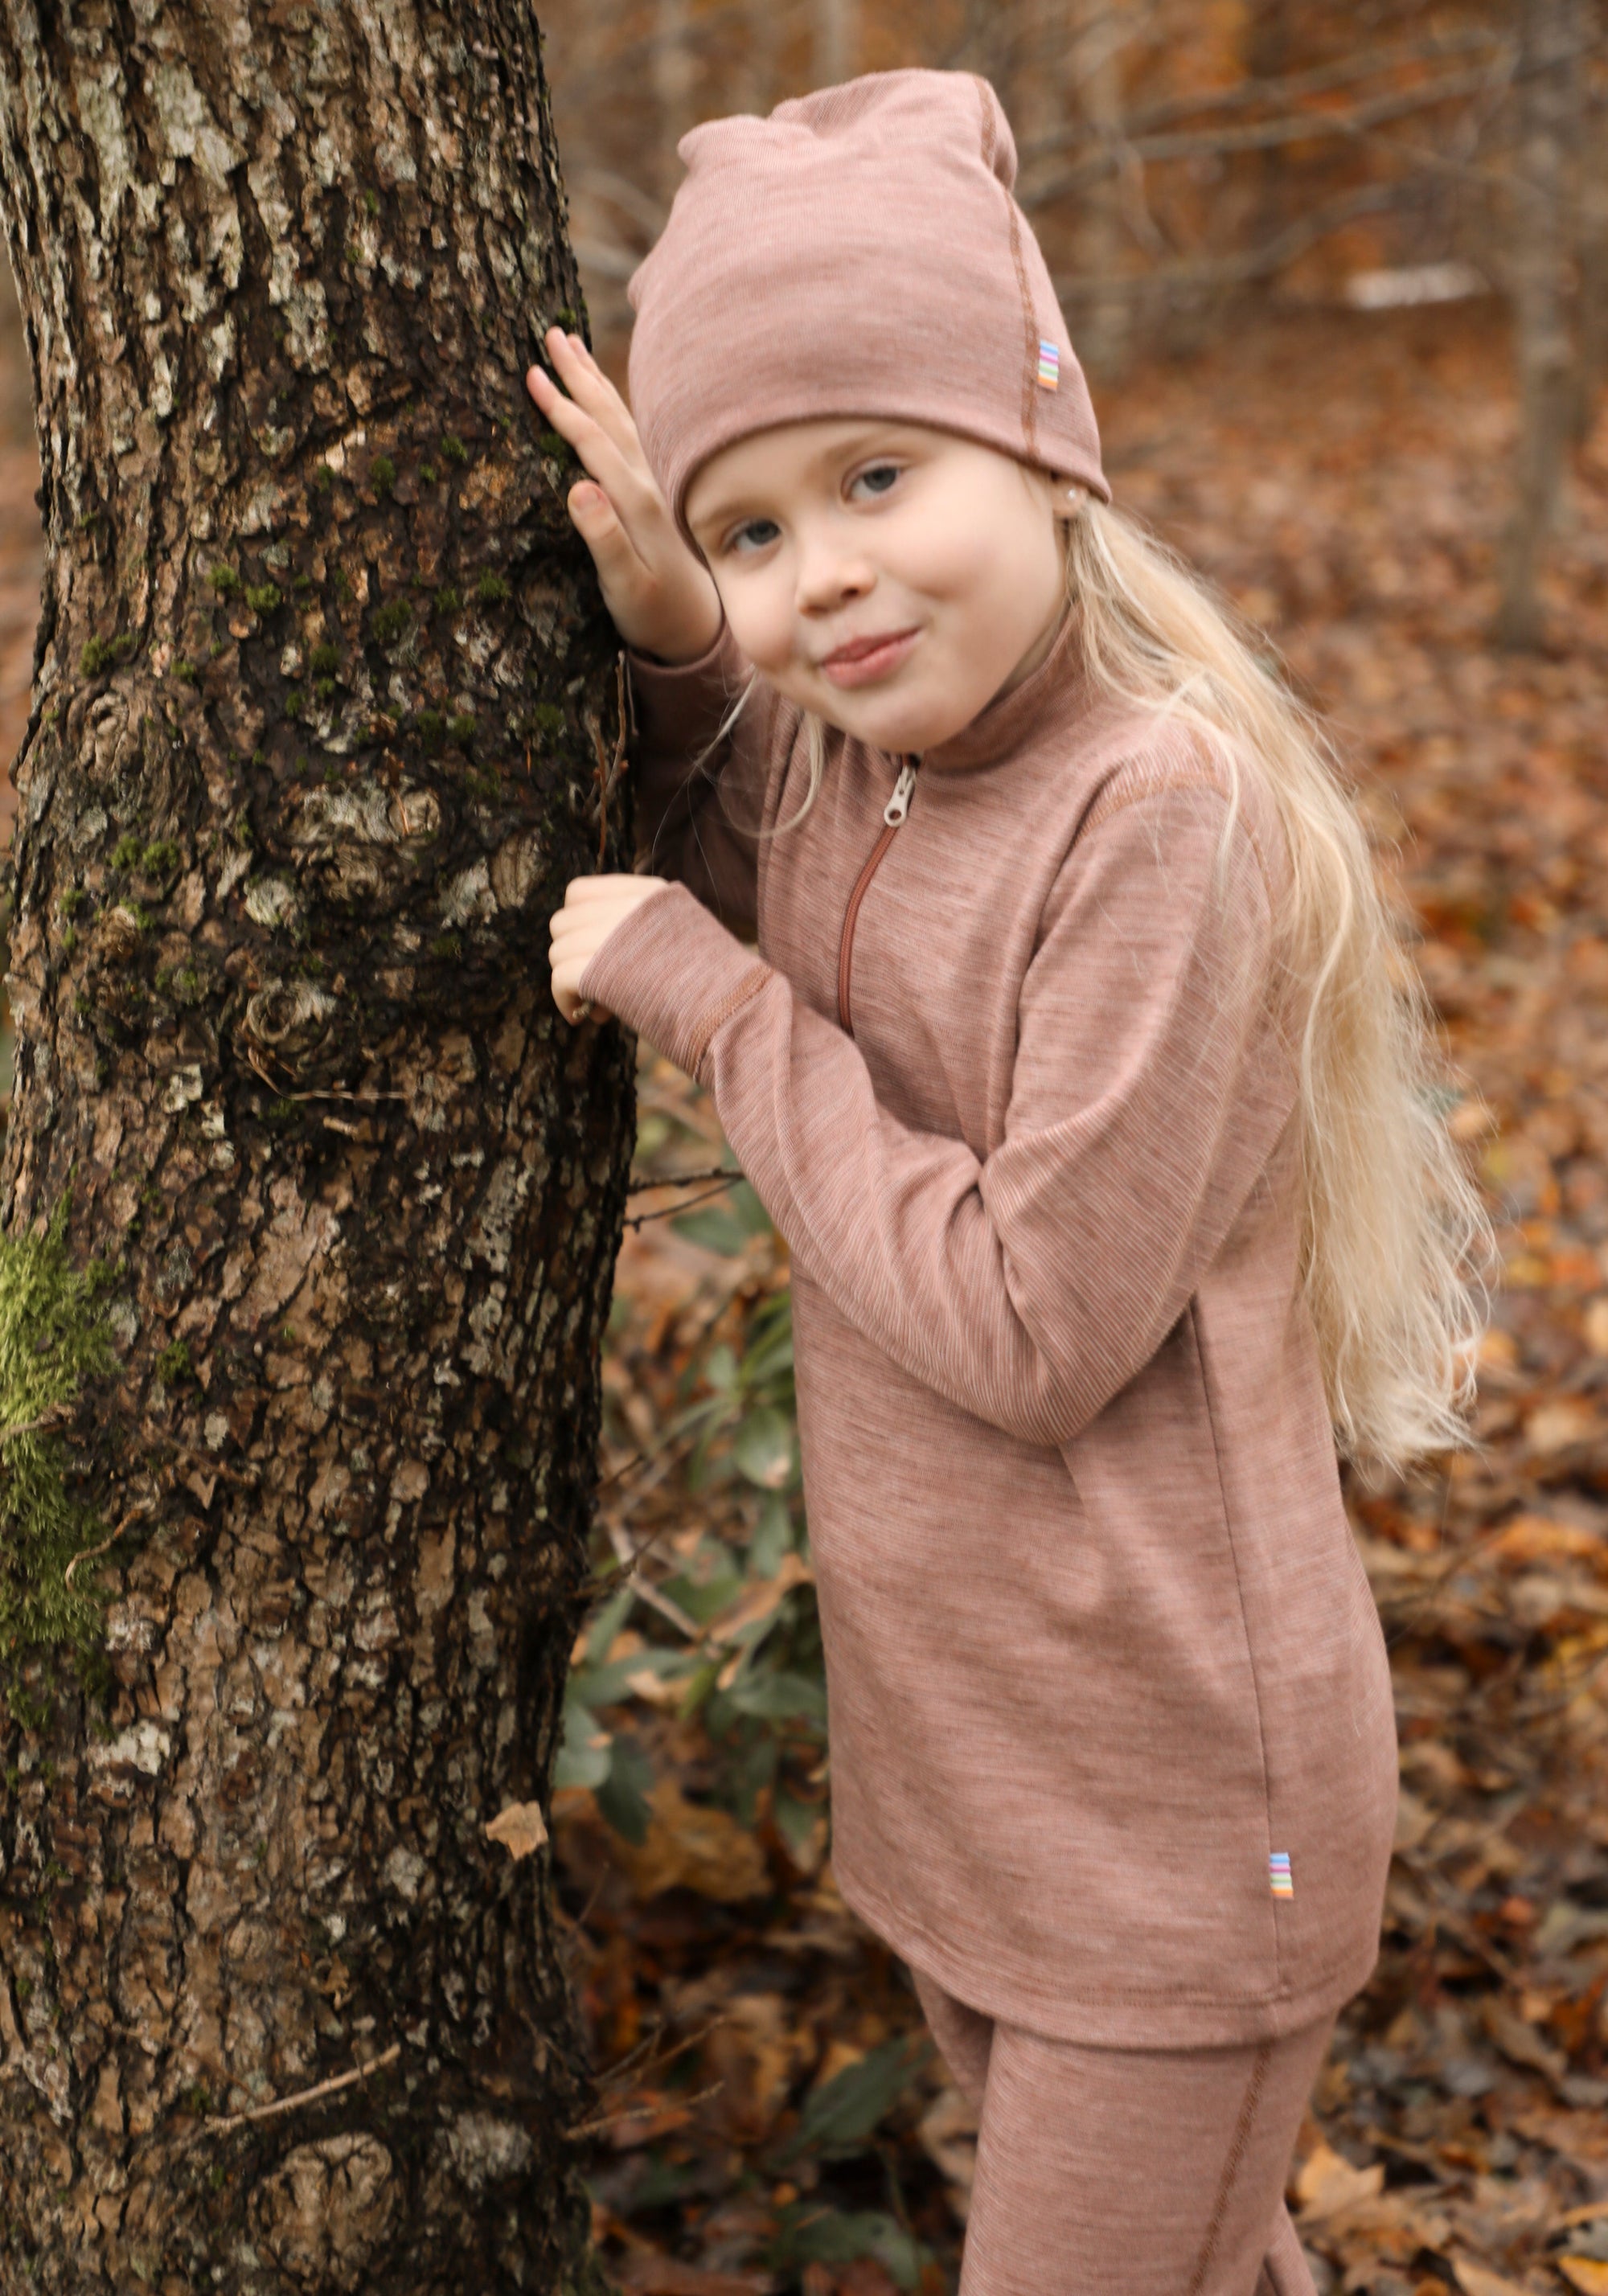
(857,253)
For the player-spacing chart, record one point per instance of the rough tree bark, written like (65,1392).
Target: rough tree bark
(323,688)
(1551,44)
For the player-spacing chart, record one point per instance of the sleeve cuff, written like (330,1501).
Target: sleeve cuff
(673,972)
(672,696)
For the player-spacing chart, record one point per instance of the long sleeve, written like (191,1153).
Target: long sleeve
(1148,1090)
(695,822)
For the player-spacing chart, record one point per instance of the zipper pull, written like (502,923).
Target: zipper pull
(899,804)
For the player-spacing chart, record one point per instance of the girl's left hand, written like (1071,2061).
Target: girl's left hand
(592,907)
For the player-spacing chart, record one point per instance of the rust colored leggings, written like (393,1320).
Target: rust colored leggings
(1127,2172)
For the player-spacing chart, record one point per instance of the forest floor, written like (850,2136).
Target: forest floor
(771,2118)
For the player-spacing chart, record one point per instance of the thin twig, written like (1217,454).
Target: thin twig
(1242,95)
(224,2125)
(642,1187)
(57,1416)
(337,1092)
(620,1540)
(669,1212)
(88,1554)
(642,2111)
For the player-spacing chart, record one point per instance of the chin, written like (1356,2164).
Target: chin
(899,726)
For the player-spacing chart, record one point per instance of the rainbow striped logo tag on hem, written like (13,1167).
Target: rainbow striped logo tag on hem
(1049,367)
(1279,1877)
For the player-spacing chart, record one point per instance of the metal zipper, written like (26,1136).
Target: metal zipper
(893,814)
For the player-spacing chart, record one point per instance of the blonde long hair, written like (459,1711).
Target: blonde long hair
(1395,1243)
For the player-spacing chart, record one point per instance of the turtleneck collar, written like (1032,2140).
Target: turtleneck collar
(1004,724)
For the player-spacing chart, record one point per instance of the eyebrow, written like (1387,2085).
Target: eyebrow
(732,506)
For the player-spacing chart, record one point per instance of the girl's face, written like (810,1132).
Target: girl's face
(891,578)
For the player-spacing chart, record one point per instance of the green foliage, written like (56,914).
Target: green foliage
(447,601)
(552,442)
(174,1363)
(759,1685)
(225,580)
(53,1338)
(429,473)
(547,718)
(371,201)
(325,688)
(324,661)
(72,900)
(382,476)
(302,584)
(323,478)
(127,852)
(491,589)
(844,2115)
(808,2234)
(433,728)
(185,671)
(453,449)
(295,703)
(159,856)
(447,945)
(391,620)
(104,653)
(265,597)
(462,728)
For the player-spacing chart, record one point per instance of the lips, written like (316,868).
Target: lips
(862,661)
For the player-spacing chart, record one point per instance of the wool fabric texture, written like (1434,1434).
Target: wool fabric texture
(857,253)
(1103,1665)
(1131,2172)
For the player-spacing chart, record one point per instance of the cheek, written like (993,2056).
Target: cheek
(954,561)
(760,616)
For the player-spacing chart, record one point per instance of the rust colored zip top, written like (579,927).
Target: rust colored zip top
(893,812)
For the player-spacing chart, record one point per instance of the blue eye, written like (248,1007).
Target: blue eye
(754,524)
(886,473)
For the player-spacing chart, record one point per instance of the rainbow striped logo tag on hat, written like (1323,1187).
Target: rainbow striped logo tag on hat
(1049,367)
(1279,1877)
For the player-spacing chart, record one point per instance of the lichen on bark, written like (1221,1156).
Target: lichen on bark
(325,702)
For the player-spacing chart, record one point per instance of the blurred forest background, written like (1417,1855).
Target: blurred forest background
(1340,274)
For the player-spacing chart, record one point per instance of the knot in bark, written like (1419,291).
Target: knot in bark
(327,2211)
(295,1023)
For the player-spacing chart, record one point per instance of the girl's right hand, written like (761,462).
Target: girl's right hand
(660,595)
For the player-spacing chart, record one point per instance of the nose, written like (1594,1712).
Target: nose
(832,568)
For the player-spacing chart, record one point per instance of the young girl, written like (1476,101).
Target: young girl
(1071,1067)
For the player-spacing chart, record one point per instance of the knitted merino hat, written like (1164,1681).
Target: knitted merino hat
(857,253)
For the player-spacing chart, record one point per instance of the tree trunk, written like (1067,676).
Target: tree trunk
(762,60)
(322,682)
(1102,29)
(673,78)
(1549,69)
(1592,235)
(837,41)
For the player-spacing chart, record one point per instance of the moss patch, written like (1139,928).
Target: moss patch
(53,1338)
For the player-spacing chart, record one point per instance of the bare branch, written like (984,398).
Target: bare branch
(224,2124)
